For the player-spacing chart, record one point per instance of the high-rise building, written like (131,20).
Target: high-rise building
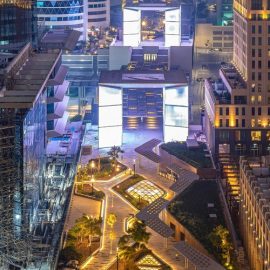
(64,14)
(32,109)
(255,210)
(238,105)
(98,13)
(16,23)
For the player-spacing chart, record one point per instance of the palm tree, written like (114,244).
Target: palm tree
(114,154)
(135,241)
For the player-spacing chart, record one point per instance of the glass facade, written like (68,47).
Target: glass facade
(34,141)
(16,23)
(61,14)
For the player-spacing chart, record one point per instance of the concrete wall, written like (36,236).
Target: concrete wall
(214,36)
(119,56)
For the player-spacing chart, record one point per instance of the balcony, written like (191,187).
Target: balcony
(56,128)
(59,93)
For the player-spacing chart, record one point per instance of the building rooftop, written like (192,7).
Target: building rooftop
(218,91)
(142,77)
(60,39)
(26,76)
(233,78)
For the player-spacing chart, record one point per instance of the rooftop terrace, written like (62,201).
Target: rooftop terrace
(26,76)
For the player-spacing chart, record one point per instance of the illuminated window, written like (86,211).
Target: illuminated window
(256,135)
(259,99)
(252,99)
(259,122)
(237,135)
(268,135)
(253,122)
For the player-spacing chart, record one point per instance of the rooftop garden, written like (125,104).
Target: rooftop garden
(199,209)
(195,156)
(82,240)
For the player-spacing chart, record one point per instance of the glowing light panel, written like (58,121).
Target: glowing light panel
(131,27)
(172,27)
(175,114)
(110,116)
(110,136)
(109,96)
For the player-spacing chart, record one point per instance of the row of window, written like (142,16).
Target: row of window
(97,19)
(60,19)
(96,5)
(227,111)
(97,12)
(255,135)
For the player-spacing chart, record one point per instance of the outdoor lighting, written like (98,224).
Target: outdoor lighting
(93,164)
(92,183)
(144,23)
(134,167)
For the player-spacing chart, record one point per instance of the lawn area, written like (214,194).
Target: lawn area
(101,169)
(194,156)
(122,190)
(192,209)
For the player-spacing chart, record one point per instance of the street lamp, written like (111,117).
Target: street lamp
(92,183)
(117,258)
(134,167)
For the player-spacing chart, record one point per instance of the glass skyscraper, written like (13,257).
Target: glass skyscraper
(61,14)
(16,23)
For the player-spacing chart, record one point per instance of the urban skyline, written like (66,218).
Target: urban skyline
(134,134)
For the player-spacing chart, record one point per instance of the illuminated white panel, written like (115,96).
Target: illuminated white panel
(175,134)
(131,27)
(110,136)
(176,116)
(110,116)
(173,27)
(131,15)
(109,96)
(176,96)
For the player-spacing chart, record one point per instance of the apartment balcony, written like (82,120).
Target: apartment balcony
(58,93)
(56,127)
(59,76)
(57,110)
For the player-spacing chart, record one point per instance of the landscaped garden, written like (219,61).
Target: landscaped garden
(196,156)
(199,209)
(90,191)
(103,168)
(82,240)
(132,250)
(139,191)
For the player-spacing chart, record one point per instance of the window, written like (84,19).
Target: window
(253,64)
(259,64)
(253,111)
(220,111)
(252,99)
(253,123)
(227,111)
(253,29)
(260,41)
(243,122)
(243,111)
(256,4)
(253,53)
(268,29)
(227,123)
(259,99)
(260,29)
(253,76)
(268,135)
(260,53)
(236,122)
(268,52)
(237,111)
(220,123)
(259,111)
(256,135)
(253,41)
(259,76)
